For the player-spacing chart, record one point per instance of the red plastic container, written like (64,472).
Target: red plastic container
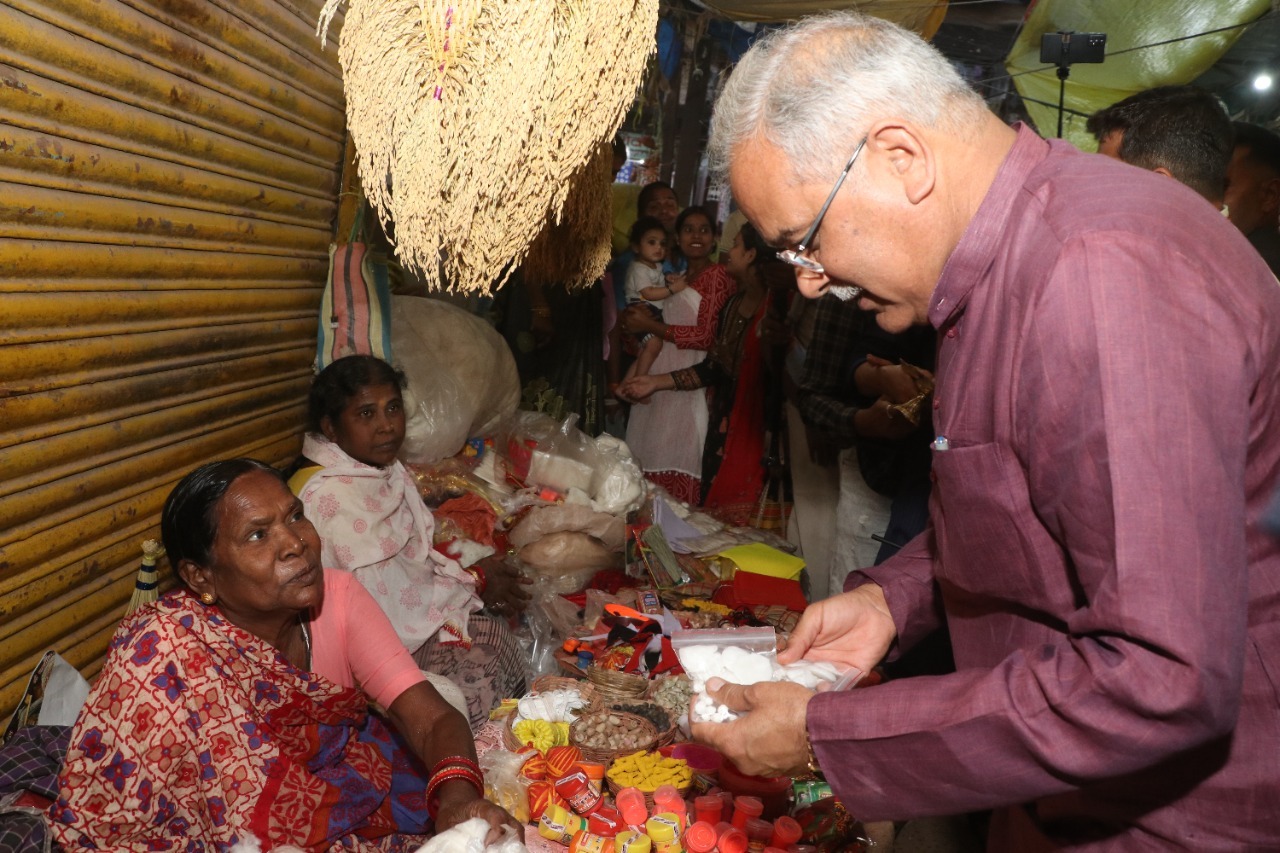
(708,809)
(746,808)
(733,841)
(700,838)
(773,791)
(758,833)
(786,831)
(583,797)
(605,821)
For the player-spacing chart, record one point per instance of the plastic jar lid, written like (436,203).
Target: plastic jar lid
(700,838)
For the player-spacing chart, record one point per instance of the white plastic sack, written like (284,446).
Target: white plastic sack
(462,377)
(541,521)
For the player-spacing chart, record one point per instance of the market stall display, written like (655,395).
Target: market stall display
(639,600)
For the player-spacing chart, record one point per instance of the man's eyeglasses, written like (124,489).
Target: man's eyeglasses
(796,257)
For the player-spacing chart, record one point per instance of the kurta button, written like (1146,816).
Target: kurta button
(951,333)
(937,404)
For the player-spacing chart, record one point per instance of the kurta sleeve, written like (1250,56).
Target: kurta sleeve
(1142,588)
(909,590)
(716,287)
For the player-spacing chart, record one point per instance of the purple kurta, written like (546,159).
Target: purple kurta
(1107,382)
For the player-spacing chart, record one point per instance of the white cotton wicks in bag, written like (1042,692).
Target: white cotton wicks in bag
(556,706)
(468,837)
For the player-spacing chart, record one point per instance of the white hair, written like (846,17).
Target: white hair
(812,90)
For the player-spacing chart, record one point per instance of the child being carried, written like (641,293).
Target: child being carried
(646,285)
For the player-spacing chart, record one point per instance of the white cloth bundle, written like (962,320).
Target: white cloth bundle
(468,837)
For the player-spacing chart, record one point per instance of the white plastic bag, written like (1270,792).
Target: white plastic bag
(462,376)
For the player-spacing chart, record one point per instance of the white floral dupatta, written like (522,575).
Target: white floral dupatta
(373,523)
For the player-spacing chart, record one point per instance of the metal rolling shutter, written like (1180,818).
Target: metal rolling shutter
(169,172)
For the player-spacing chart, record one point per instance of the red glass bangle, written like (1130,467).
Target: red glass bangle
(448,775)
(455,761)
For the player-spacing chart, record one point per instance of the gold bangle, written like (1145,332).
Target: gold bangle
(814,768)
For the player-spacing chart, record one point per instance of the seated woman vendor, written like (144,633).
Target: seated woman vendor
(373,523)
(239,704)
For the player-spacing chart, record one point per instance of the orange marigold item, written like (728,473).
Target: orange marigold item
(535,767)
(541,796)
(561,759)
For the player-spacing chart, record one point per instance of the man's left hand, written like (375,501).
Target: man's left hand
(769,738)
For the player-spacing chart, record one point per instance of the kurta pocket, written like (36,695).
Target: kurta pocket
(991,543)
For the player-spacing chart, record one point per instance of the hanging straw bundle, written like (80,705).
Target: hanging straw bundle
(576,250)
(471,118)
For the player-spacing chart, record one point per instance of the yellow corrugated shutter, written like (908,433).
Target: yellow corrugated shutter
(168,182)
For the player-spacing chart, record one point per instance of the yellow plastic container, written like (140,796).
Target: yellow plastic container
(664,831)
(632,842)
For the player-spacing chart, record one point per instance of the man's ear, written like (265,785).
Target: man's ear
(1161,170)
(198,578)
(910,156)
(1271,195)
(326,427)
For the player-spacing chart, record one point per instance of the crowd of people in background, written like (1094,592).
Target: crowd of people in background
(686,325)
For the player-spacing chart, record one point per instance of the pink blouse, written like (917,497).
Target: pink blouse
(354,645)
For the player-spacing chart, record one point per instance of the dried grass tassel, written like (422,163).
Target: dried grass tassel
(471,120)
(144,589)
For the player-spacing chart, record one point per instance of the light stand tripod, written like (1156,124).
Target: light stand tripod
(1064,48)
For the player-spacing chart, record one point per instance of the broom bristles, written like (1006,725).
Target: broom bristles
(145,588)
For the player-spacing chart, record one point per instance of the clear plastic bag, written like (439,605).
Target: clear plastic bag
(747,656)
(502,782)
(547,621)
(542,452)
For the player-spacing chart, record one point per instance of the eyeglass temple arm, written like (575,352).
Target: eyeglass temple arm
(804,244)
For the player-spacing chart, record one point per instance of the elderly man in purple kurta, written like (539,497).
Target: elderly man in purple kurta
(1108,435)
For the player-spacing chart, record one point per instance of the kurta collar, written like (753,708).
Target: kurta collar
(973,255)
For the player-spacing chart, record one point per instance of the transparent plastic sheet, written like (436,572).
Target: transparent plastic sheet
(539,451)
(618,485)
(594,609)
(548,620)
(502,783)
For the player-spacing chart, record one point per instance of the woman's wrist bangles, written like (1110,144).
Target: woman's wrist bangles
(449,769)
(482,582)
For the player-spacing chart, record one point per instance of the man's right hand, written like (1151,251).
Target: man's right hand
(854,628)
